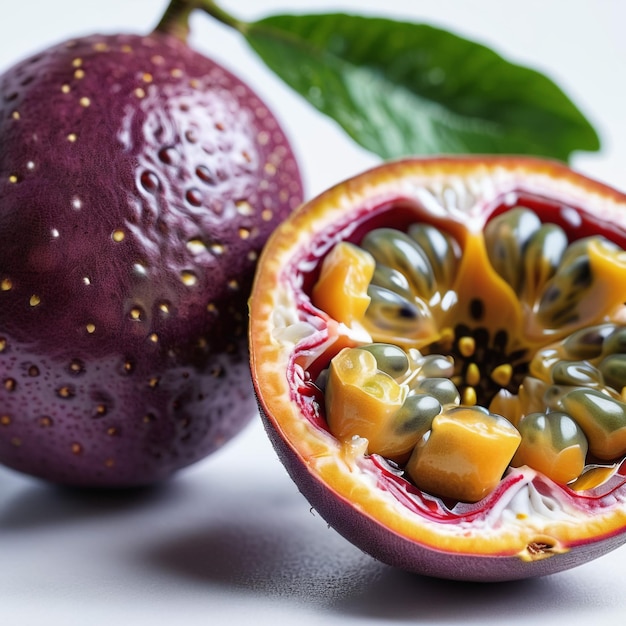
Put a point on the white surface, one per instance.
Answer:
(230, 540)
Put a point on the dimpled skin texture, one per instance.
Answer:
(138, 182)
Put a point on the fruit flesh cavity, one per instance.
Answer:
(507, 273)
(527, 517)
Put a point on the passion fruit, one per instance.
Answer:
(138, 181)
(438, 347)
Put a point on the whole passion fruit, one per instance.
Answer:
(439, 353)
(139, 180)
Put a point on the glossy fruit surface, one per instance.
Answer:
(456, 406)
(138, 182)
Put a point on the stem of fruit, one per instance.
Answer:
(175, 20)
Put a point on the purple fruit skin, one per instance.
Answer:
(384, 545)
(138, 182)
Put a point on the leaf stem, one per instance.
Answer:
(214, 10)
(175, 19)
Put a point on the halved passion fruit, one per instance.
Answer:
(439, 352)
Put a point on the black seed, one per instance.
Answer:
(550, 295)
(407, 313)
(500, 340)
(476, 309)
(582, 277)
(517, 355)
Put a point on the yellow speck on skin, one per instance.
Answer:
(244, 207)
(140, 92)
(64, 392)
(84, 102)
(72, 137)
(188, 278)
(79, 73)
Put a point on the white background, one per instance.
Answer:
(230, 540)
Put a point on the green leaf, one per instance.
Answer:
(404, 89)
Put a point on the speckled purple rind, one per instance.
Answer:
(379, 542)
(138, 182)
